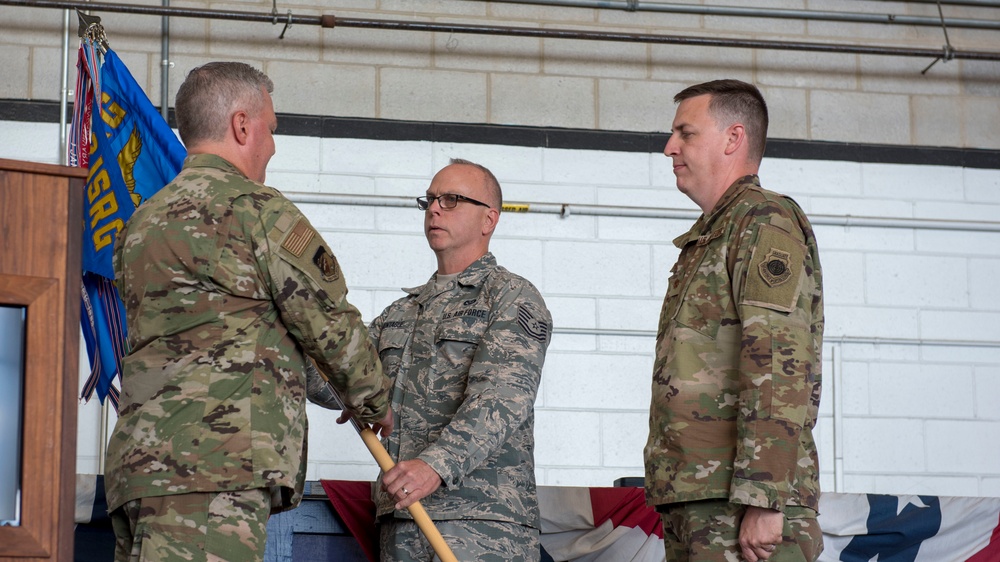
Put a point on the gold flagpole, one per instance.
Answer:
(385, 462)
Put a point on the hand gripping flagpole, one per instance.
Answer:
(385, 462)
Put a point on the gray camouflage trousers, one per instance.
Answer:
(195, 527)
(708, 531)
(400, 540)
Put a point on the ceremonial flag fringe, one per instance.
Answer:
(606, 524)
(865, 527)
(131, 153)
(616, 525)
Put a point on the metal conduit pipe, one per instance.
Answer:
(330, 21)
(64, 92)
(165, 63)
(780, 13)
(566, 210)
(972, 3)
(826, 340)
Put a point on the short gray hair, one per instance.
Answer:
(492, 185)
(210, 95)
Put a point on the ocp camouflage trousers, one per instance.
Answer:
(708, 531)
(195, 527)
(400, 540)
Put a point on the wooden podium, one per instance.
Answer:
(41, 214)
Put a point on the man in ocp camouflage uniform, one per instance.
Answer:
(228, 292)
(465, 352)
(731, 463)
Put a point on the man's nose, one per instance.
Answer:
(671, 147)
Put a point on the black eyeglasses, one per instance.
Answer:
(446, 200)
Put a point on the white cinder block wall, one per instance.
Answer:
(902, 412)
(897, 416)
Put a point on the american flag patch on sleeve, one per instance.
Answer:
(299, 238)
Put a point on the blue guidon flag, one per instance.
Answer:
(131, 153)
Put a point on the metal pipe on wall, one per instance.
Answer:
(331, 21)
(839, 340)
(972, 3)
(165, 62)
(64, 91)
(837, 360)
(779, 13)
(567, 209)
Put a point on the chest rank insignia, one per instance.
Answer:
(327, 264)
(774, 268)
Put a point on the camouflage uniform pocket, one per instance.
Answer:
(705, 305)
(456, 345)
(705, 292)
(791, 369)
(753, 406)
(390, 350)
(748, 447)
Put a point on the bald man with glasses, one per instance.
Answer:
(465, 353)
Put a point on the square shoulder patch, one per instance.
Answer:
(305, 249)
(776, 264)
(298, 238)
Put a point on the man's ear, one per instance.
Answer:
(490, 221)
(240, 124)
(736, 137)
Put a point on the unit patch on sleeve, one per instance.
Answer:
(774, 267)
(776, 264)
(327, 264)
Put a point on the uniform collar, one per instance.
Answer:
(207, 160)
(470, 276)
(706, 223)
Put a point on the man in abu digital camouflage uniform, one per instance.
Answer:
(228, 292)
(731, 463)
(465, 353)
